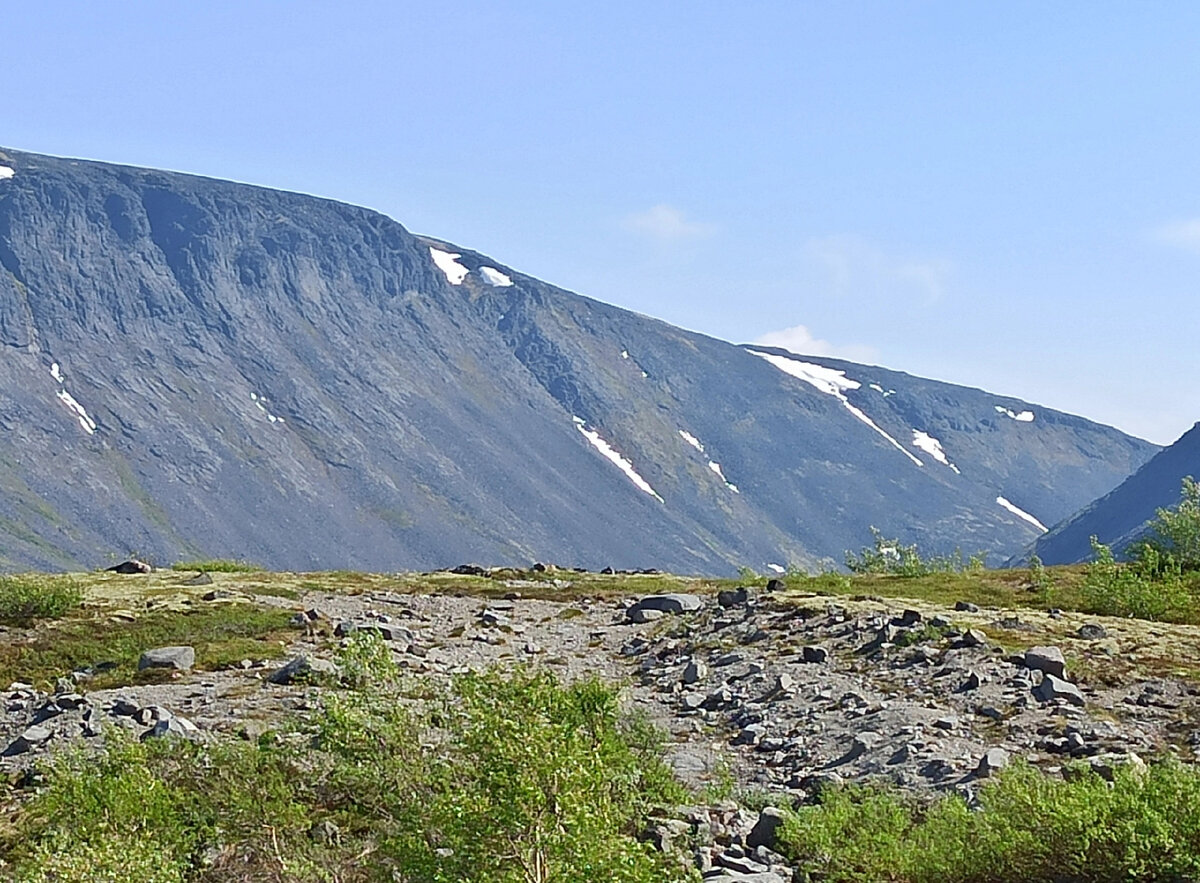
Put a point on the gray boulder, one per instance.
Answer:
(766, 829)
(1053, 688)
(302, 669)
(670, 603)
(1046, 659)
(177, 658)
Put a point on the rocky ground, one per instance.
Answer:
(770, 693)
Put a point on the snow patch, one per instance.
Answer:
(492, 276)
(6, 172)
(716, 467)
(88, 424)
(624, 354)
(1022, 514)
(448, 264)
(932, 447)
(831, 382)
(828, 380)
(692, 440)
(777, 568)
(56, 372)
(260, 402)
(614, 456)
(1023, 417)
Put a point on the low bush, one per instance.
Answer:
(24, 599)
(885, 556)
(509, 779)
(1144, 825)
(217, 565)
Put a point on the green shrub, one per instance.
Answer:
(1174, 534)
(885, 556)
(24, 599)
(1144, 825)
(217, 565)
(509, 778)
(1148, 587)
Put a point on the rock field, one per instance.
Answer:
(772, 692)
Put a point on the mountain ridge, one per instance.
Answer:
(304, 383)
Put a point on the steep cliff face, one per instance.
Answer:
(1120, 517)
(195, 367)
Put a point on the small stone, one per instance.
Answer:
(692, 701)
(814, 654)
(949, 722)
(1046, 659)
(642, 615)
(907, 619)
(173, 727)
(694, 672)
(1052, 688)
(674, 602)
(966, 607)
(993, 760)
(1091, 631)
(785, 683)
(973, 638)
(133, 565)
(123, 707)
(733, 597)
(301, 669)
(972, 682)
(176, 658)
(766, 829)
(28, 740)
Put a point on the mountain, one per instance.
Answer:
(1118, 518)
(193, 367)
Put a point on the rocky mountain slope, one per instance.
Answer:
(192, 367)
(1118, 518)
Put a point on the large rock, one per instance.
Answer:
(177, 658)
(670, 603)
(1046, 659)
(302, 669)
(133, 565)
(766, 830)
(1053, 688)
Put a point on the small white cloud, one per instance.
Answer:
(1180, 234)
(799, 340)
(666, 223)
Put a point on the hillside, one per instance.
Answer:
(1118, 518)
(193, 367)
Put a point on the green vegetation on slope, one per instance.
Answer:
(1143, 825)
(513, 779)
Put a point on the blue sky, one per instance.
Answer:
(1001, 195)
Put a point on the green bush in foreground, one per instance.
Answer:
(1144, 825)
(24, 599)
(217, 565)
(510, 779)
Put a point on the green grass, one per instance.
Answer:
(29, 597)
(217, 565)
(221, 634)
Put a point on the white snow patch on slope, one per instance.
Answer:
(494, 277)
(88, 424)
(778, 568)
(448, 264)
(613, 455)
(692, 440)
(716, 467)
(56, 372)
(1022, 514)
(831, 382)
(1023, 417)
(260, 402)
(932, 447)
(6, 172)
(828, 380)
(624, 354)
